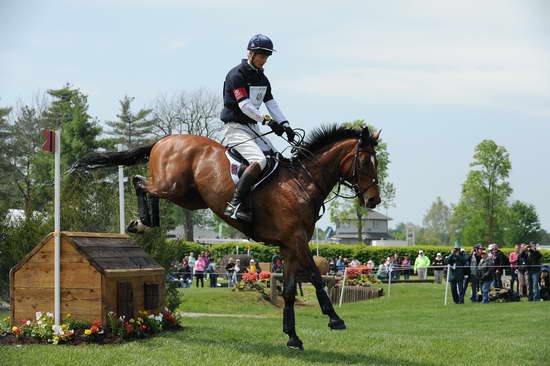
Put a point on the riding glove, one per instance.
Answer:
(278, 128)
(290, 134)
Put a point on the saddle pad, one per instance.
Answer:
(235, 166)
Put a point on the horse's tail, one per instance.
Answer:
(97, 160)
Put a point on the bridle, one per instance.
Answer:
(353, 181)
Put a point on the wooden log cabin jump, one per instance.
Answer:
(100, 273)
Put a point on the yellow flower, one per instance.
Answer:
(56, 339)
(64, 326)
(140, 319)
(88, 332)
(14, 329)
(132, 320)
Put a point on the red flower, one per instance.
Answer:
(97, 323)
(249, 277)
(129, 329)
(94, 329)
(265, 275)
(353, 273)
(143, 326)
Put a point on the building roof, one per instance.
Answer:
(366, 235)
(372, 215)
(114, 253)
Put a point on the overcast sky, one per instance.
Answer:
(437, 76)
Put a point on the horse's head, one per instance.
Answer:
(362, 171)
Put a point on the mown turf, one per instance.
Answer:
(410, 328)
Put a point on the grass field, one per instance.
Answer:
(410, 328)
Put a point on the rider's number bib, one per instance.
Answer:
(257, 94)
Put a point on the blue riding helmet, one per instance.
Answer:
(261, 44)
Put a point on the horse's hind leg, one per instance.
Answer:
(306, 259)
(148, 208)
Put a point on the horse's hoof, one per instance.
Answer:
(336, 324)
(295, 344)
(135, 227)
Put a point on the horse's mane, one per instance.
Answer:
(324, 136)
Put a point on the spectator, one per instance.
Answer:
(212, 274)
(277, 266)
(522, 263)
(457, 261)
(382, 273)
(533, 261)
(501, 262)
(340, 266)
(395, 266)
(186, 274)
(200, 266)
(229, 269)
(486, 274)
(191, 259)
(544, 284)
(406, 266)
(370, 267)
(421, 265)
(253, 268)
(473, 279)
(237, 272)
(513, 259)
(439, 265)
(354, 263)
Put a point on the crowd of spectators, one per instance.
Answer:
(480, 270)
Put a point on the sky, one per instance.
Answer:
(438, 77)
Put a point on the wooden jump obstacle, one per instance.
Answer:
(100, 273)
(351, 293)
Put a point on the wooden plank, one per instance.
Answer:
(68, 253)
(73, 275)
(84, 242)
(129, 273)
(94, 235)
(74, 301)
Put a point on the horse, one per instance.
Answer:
(193, 172)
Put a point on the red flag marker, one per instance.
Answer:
(49, 144)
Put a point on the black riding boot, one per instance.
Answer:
(236, 209)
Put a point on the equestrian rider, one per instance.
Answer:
(244, 90)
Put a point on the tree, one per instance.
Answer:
(131, 129)
(480, 214)
(5, 182)
(196, 113)
(436, 222)
(340, 210)
(523, 225)
(25, 142)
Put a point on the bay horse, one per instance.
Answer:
(193, 172)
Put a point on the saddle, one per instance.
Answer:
(238, 164)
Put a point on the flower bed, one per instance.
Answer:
(72, 331)
(255, 282)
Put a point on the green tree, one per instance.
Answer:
(131, 129)
(523, 224)
(481, 212)
(5, 181)
(436, 222)
(89, 200)
(341, 210)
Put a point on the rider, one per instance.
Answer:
(244, 90)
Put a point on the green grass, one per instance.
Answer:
(410, 328)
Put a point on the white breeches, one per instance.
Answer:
(252, 150)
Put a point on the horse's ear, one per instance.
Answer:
(376, 136)
(365, 135)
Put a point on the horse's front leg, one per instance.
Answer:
(335, 322)
(289, 295)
